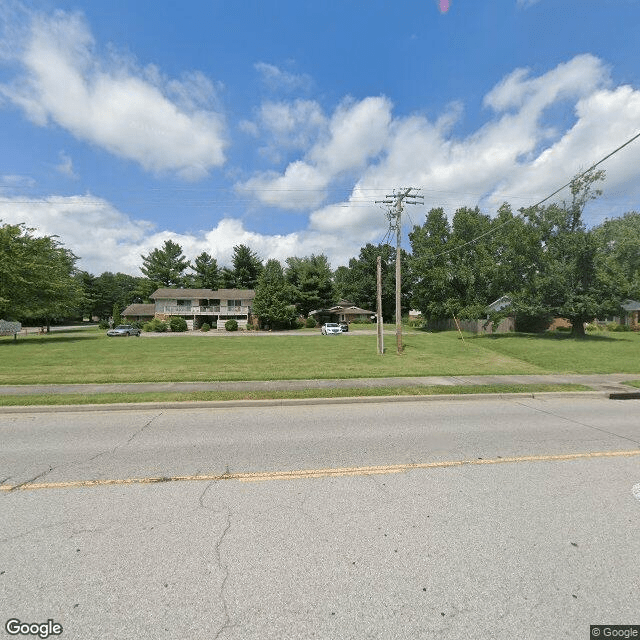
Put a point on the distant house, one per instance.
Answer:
(139, 312)
(630, 309)
(344, 311)
(198, 306)
(498, 305)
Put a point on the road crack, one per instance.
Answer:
(226, 619)
(578, 422)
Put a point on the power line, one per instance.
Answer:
(537, 204)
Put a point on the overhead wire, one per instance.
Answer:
(537, 204)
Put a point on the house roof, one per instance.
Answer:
(188, 294)
(631, 305)
(352, 310)
(140, 310)
(347, 310)
(499, 304)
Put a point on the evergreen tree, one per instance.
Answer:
(207, 273)
(357, 283)
(272, 303)
(247, 267)
(165, 267)
(312, 281)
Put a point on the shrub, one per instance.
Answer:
(205, 327)
(155, 325)
(310, 323)
(103, 324)
(614, 326)
(178, 324)
(231, 325)
(593, 328)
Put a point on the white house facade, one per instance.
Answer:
(198, 306)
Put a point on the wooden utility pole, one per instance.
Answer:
(380, 326)
(398, 199)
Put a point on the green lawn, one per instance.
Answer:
(89, 356)
(198, 396)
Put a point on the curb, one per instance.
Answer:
(295, 402)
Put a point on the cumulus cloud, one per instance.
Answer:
(356, 134)
(163, 124)
(515, 157)
(105, 239)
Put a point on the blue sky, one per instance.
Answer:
(278, 124)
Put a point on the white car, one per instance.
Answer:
(331, 328)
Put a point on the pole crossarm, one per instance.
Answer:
(400, 197)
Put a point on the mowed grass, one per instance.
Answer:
(88, 356)
(560, 353)
(226, 396)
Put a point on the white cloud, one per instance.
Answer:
(580, 76)
(277, 79)
(516, 156)
(355, 135)
(512, 157)
(163, 124)
(106, 239)
(66, 166)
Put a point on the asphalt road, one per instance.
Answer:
(493, 519)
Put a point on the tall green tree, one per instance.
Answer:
(567, 282)
(460, 268)
(272, 303)
(166, 266)
(247, 267)
(38, 277)
(357, 283)
(618, 254)
(207, 273)
(109, 289)
(311, 279)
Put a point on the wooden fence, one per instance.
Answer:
(473, 326)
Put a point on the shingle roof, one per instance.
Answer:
(631, 305)
(188, 294)
(140, 310)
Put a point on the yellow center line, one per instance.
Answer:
(259, 476)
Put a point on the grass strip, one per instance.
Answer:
(200, 396)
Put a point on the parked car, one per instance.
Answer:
(124, 330)
(331, 328)
(344, 326)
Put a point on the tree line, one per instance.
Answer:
(543, 258)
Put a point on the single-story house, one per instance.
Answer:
(139, 312)
(198, 306)
(344, 311)
(631, 308)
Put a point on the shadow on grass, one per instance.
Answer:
(44, 339)
(551, 335)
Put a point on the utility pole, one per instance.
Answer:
(379, 326)
(399, 198)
